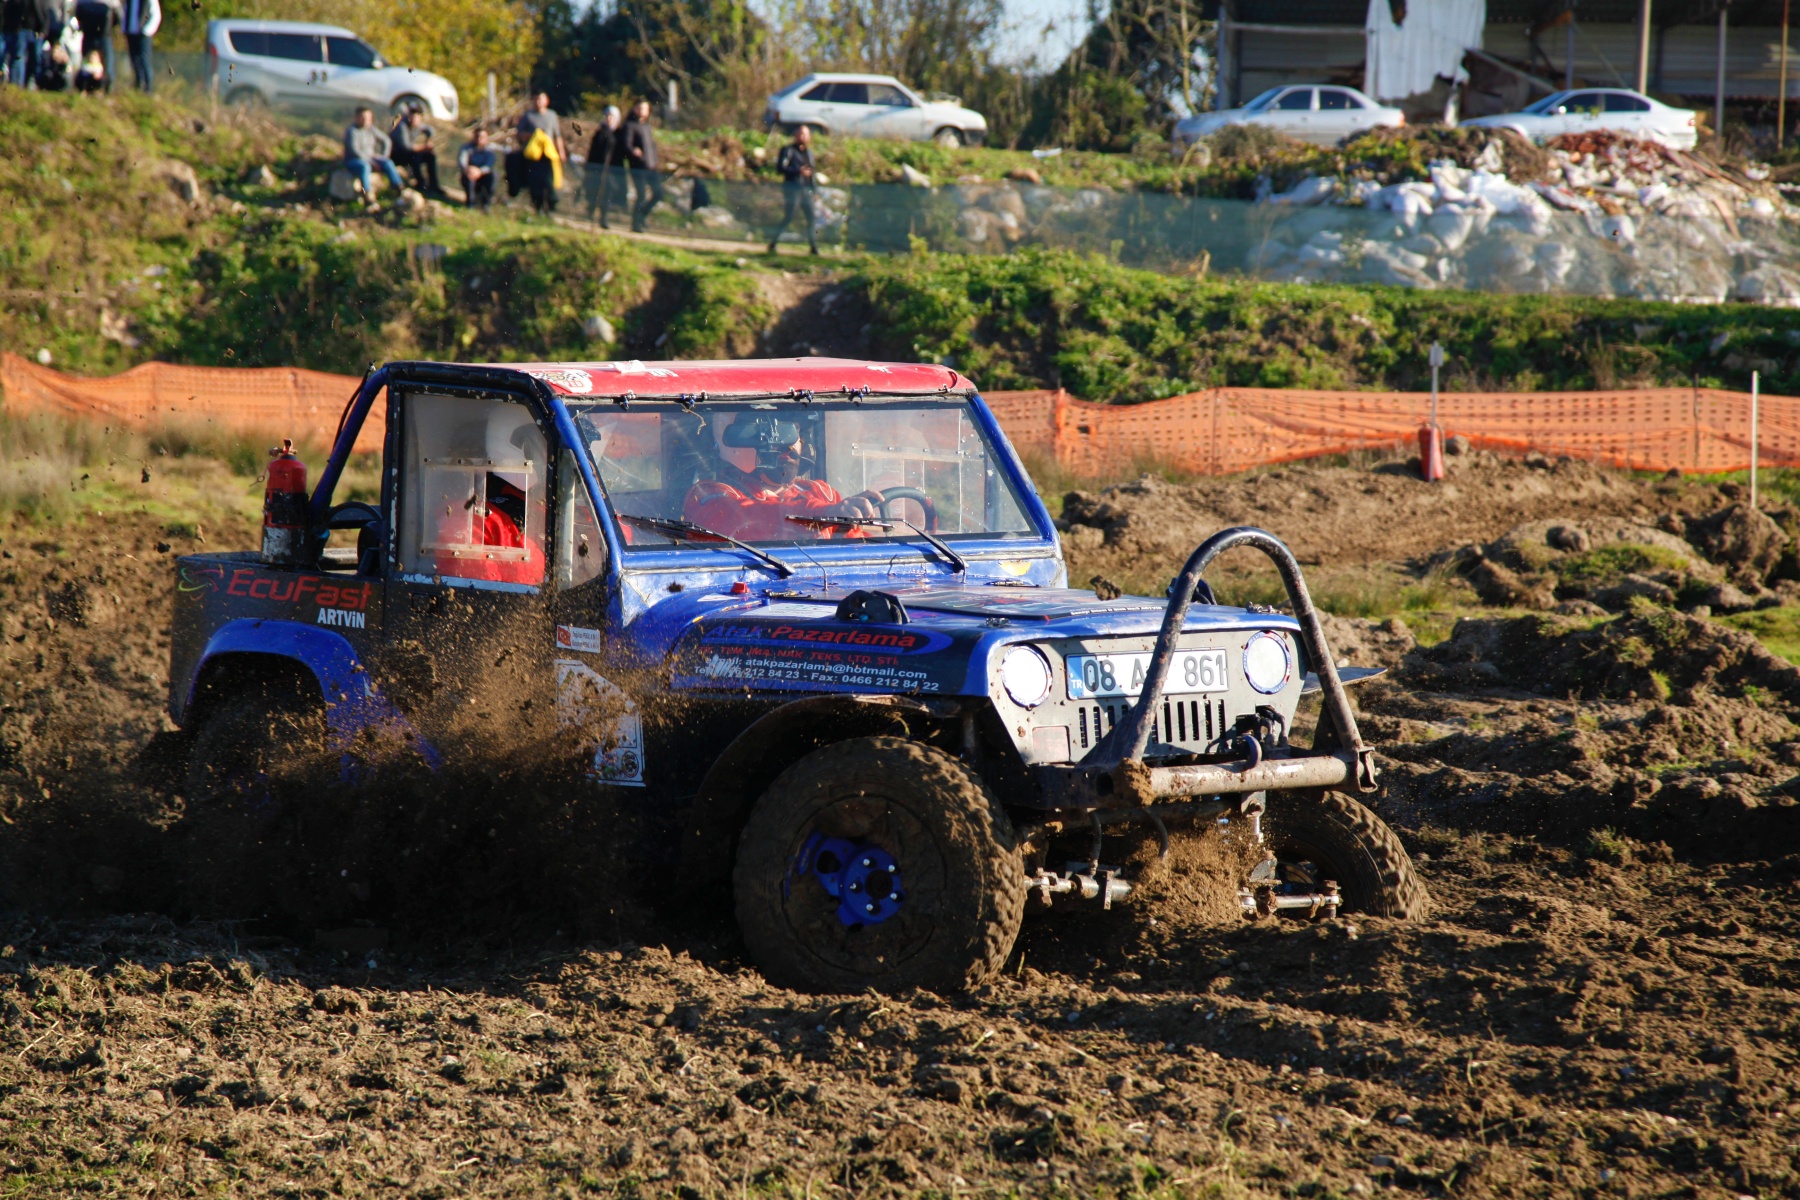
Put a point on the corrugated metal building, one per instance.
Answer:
(1267, 43)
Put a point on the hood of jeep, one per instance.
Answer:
(793, 641)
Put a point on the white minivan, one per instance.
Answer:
(873, 106)
(297, 64)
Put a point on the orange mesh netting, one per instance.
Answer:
(1232, 429)
(272, 401)
(1211, 432)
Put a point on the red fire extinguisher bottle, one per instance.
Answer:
(284, 507)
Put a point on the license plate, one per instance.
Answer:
(1098, 676)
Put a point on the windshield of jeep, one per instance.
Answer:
(743, 467)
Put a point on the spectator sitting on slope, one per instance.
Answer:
(366, 147)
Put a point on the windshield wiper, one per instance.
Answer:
(687, 531)
(956, 561)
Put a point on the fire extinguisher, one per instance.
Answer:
(284, 507)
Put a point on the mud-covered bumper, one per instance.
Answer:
(1135, 783)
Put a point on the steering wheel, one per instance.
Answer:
(365, 518)
(353, 515)
(889, 495)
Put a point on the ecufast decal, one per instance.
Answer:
(198, 579)
(787, 656)
(574, 637)
(603, 717)
(297, 589)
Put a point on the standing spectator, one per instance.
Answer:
(366, 147)
(142, 19)
(19, 40)
(640, 156)
(476, 162)
(798, 185)
(412, 139)
(541, 142)
(606, 166)
(98, 19)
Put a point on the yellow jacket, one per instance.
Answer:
(542, 145)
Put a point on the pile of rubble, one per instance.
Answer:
(1612, 216)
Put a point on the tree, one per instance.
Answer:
(1135, 70)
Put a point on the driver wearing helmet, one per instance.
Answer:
(760, 483)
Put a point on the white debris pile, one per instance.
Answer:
(1613, 216)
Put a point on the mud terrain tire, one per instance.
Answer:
(243, 742)
(963, 880)
(233, 859)
(1349, 844)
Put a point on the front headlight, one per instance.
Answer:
(1026, 676)
(1267, 663)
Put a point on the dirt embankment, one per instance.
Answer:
(1601, 801)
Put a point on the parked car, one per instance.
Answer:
(875, 106)
(1619, 110)
(1324, 115)
(297, 64)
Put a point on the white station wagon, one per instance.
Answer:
(1619, 110)
(873, 106)
(295, 64)
(1323, 115)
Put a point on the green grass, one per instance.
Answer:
(1039, 318)
(1776, 628)
(1238, 159)
(1610, 562)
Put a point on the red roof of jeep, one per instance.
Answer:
(741, 377)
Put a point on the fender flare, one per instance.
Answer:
(767, 747)
(353, 702)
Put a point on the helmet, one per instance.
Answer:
(762, 444)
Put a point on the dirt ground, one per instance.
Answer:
(1595, 773)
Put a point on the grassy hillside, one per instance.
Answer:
(1037, 319)
(105, 263)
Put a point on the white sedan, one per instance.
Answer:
(1618, 110)
(1325, 115)
(873, 106)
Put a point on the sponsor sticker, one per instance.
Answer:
(579, 383)
(637, 367)
(603, 717)
(574, 637)
(816, 612)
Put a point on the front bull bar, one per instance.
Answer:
(1115, 773)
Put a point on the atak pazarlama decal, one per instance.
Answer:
(579, 383)
(604, 718)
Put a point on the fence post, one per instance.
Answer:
(1755, 396)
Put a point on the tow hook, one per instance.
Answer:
(1081, 881)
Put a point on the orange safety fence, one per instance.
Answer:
(265, 401)
(1212, 432)
(1223, 430)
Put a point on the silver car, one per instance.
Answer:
(873, 106)
(299, 64)
(1582, 110)
(1324, 115)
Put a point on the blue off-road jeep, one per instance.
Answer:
(815, 612)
